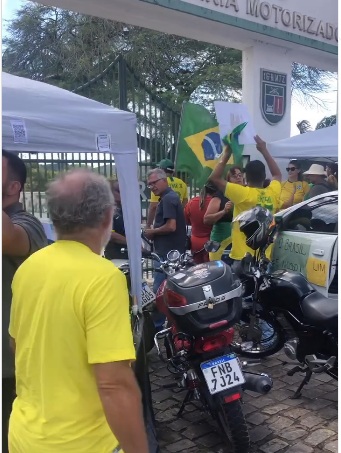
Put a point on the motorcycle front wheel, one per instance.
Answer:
(267, 338)
(231, 421)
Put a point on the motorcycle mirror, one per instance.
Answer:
(278, 219)
(212, 246)
(173, 256)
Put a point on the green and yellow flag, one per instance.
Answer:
(232, 140)
(199, 145)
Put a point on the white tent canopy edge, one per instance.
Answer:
(41, 118)
(322, 143)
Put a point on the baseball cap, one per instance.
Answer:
(166, 164)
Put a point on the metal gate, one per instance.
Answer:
(157, 130)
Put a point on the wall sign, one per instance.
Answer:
(311, 20)
(273, 95)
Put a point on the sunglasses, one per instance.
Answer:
(291, 169)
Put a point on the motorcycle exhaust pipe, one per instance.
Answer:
(257, 382)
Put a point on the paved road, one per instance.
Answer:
(277, 424)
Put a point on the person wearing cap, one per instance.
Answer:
(176, 184)
(317, 176)
(22, 235)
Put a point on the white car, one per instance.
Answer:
(307, 241)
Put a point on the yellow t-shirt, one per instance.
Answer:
(70, 310)
(245, 198)
(301, 190)
(175, 184)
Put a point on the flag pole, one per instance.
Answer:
(179, 135)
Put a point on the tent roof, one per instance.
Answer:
(316, 144)
(37, 117)
(57, 120)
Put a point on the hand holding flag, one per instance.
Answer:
(231, 140)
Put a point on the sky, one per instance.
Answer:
(298, 111)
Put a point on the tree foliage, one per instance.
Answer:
(326, 122)
(305, 126)
(68, 49)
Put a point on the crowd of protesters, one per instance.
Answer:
(72, 387)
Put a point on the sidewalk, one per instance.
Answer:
(277, 424)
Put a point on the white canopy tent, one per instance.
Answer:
(322, 143)
(41, 118)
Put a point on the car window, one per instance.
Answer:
(319, 216)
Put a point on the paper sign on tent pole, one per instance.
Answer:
(229, 115)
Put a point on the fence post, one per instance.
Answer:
(122, 84)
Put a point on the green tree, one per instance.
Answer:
(305, 126)
(38, 176)
(326, 122)
(68, 49)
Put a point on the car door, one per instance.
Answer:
(307, 242)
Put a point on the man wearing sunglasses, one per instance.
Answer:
(176, 184)
(169, 231)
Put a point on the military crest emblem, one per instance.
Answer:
(273, 95)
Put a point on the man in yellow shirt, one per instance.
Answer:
(254, 194)
(176, 184)
(70, 329)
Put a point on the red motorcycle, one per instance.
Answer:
(201, 304)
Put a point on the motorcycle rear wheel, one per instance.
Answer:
(231, 420)
(272, 336)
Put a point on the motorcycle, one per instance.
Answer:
(201, 304)
(282, 309)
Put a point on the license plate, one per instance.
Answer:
(147, 295)
(222, 373)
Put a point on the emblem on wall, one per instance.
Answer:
(273, 97)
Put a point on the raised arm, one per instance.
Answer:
(217, 174)
(273, 167)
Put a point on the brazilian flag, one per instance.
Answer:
(199, 144)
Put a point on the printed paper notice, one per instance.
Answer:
(19, 131)
(230, 115)
(103, 143)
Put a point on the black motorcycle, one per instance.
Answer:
(202, 303)
(282, 309)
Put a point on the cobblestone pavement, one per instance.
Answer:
(276, 423)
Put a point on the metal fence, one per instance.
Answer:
(157, 130)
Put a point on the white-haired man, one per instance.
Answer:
(169, 231)
(71, 333)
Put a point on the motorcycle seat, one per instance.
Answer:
(321, 312)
